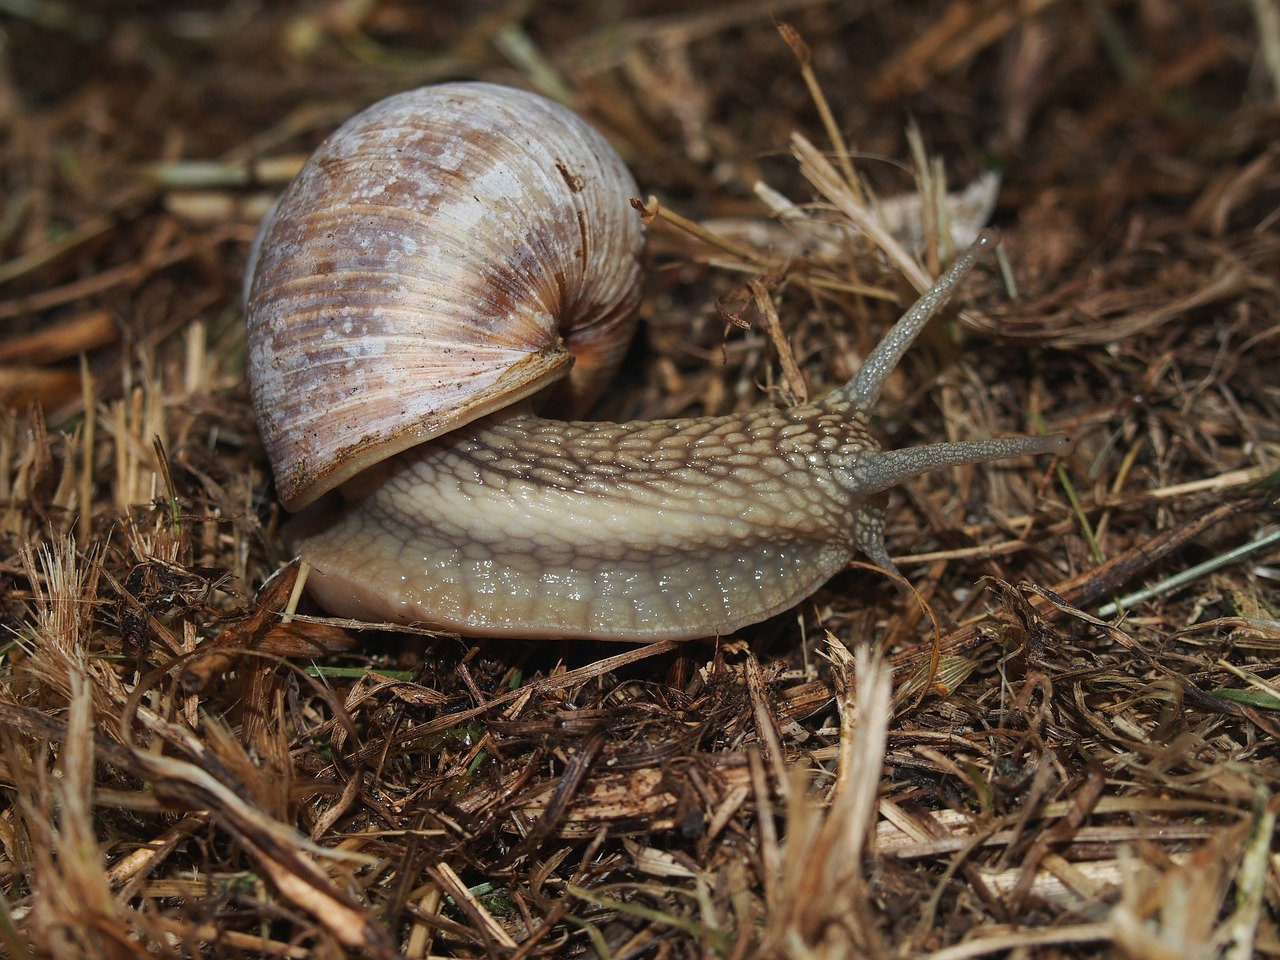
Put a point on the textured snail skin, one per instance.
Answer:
(666, 529)
(669, 529)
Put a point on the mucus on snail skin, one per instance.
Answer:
(503, 521)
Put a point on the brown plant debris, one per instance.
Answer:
(1050, 745)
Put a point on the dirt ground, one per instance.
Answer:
(1061, 742)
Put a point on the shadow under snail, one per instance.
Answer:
(443, 257)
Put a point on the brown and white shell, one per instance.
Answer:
(437, 259)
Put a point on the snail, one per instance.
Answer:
(457, 259)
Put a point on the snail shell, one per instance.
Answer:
(443, 254)
(426, 274)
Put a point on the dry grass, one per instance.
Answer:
(1026, 756)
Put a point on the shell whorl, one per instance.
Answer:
(428, 266)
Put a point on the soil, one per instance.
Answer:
(1061, 739)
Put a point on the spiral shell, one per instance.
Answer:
(437, 259)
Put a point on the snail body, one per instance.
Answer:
(500, 520)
